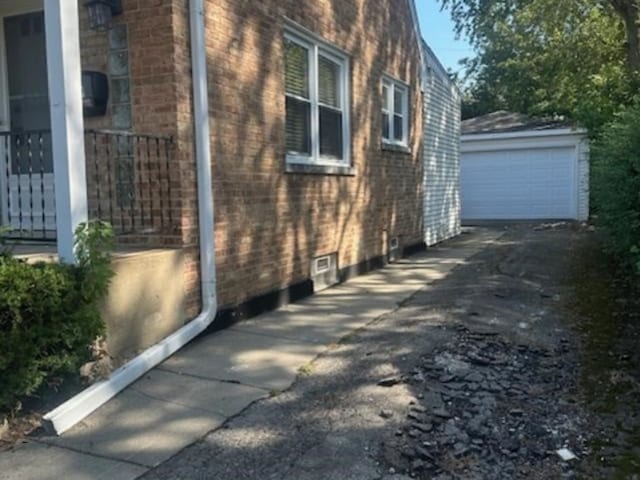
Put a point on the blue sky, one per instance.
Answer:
(438, 30)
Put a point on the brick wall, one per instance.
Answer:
(93, 50)
(270, 224)
(159, 79)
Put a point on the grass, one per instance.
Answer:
(606, 311)
(306, 370)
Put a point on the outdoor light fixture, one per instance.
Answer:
(101, 13)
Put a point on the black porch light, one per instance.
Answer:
(101, 13)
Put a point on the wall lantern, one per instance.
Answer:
(101, 13)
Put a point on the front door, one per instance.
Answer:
(26, 146)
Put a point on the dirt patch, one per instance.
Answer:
(27, 419)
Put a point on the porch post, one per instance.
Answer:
(67, 126)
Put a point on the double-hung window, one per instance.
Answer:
(395, 112)
(317, 104)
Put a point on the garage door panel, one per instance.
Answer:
(519, 184)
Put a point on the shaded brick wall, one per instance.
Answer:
(159, 77)
(270, 224)
(94, 50)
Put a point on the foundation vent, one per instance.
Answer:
(324, 271)
(394, 249)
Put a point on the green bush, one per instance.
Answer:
(615, 184)
(49, 313)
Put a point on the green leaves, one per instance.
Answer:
(93, 244)
(545, 58)
(615, 184)
(49, 313)
(4, 249)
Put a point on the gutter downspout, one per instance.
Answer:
(77, 408)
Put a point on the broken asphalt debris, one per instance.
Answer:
(483, 411)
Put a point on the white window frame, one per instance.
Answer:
(317, 47)
(392, 85)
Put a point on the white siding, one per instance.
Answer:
(441, 156)
(583, 180)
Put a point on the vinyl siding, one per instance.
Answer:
(441, 157)
(583, 180)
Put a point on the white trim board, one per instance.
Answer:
(523, 134)
(515, 145)
(477, 143)
(319, 48)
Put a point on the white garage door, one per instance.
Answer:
(519, 184)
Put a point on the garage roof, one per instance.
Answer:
(504, 122)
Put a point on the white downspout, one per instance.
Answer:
(203, 154)
(80, 406)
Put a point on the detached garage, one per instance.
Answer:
(517, 168)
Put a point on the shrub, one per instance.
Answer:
(49, 313)
(616, 184)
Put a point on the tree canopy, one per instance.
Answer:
(546, 57)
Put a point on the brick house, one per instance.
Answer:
(248, 152)
(278, 72)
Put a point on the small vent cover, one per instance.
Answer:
(394, 249)
(322, 264)
(324, 271)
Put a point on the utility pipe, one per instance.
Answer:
(77, 408)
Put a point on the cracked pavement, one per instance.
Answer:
(337, 423)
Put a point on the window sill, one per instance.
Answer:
(392, 147)
(305, 168)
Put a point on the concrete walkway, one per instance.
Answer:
(218, 376)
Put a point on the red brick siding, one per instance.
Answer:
(269, 224)
(160, 83)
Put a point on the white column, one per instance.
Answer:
(67, 126)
